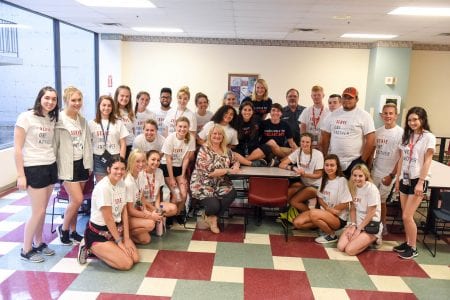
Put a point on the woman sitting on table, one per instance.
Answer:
(107, 234)
(209, 182)
(307, 164)
(365, 207)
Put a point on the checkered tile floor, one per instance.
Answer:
(195, 264)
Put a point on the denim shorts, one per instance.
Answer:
(99, 167)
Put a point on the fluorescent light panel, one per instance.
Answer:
(157, 29)
(6, 25)
(421, 11)
(368, 36)
(118, 3)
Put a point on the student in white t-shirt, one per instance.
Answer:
(74, 159)
(312, 117)
(174, 114)
(334, 199)
(107, 134)
(202, 114)
(36, 168)
(165, 99)
(141, 219)
(107, 234)
(226, 117)
(307, 163)
(417, 149)
(141, 112)
(387, 140)
(177, 149)
(150, 139)
(125, 113)
(365, 207)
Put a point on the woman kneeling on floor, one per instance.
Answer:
(209, 182)
(365, 210)
(107, 234)
(334, 198)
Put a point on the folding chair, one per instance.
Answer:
(267, 192)
(441, 215)
(63, 196)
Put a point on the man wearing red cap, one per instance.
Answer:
(349, 133)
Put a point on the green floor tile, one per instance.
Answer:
(99, 277)
(337, 274)
(243, 255)
(425, 257)
(198, 290)
(171, 240)
(426, 288)
(268, 226)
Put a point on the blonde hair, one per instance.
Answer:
(317, 88)
(266, 87)
(184, 90)
(363, 168)
(223, 144)
(69, 91)
(393, 105)
(132, 159)
(188, 135)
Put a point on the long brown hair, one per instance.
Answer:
(98, 115)
(339, 172)
(129, 106)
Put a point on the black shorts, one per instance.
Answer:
(409, 189)
(348, 172)
(342, 223)
(176, 171)
(99, 167)
(91, 237)
(266, 149)
(41, 176)
(80, 174)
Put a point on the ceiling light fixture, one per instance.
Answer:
(421, 11)
(118, 3)
(13, 25)
(368, 36)
(158, 29)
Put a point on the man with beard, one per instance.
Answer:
(165, 98)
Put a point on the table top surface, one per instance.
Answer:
(440, 175)
(264, 172)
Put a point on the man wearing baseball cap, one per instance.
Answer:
(349, 132)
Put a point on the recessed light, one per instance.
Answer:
(421, 11)
(157, 29)
(368, 36)
(118, 3)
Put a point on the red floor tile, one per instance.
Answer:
(276, 284)
(389, 264)
(368, 295)
(182, 265)
(17, 234)
(296, 247)
(110, 296)
(35, 285)
(233, 233)
(4, 216)
(23, 201)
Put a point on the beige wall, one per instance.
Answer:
(429, 87)
(150, 66)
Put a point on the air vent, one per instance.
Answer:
(111, 24)
(444, 34)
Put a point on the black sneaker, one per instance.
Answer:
(75, 237)
(31, 256)
(259, 163)
(64, 236)
(409, 253)
(44, 249)
(82, 253)
(401, 248)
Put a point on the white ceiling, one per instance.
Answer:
(257, 19)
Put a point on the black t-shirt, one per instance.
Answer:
(261, 107)
(291, 117)
(248, 136)
(278, 132)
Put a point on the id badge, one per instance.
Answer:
(406, 180)
(315, 139)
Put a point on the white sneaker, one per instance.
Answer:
(326, 239)
(385, 230)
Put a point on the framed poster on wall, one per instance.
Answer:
(241, 84)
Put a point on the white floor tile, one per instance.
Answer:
(227, 274)
(157, 287)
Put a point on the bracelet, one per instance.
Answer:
(352, 224)
(118, 240)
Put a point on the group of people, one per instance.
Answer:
(133, 152)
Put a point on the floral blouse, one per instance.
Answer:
(203, 186)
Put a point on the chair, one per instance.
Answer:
(267, 192)
(440, 215)
(63, 196)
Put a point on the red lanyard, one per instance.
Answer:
(151, 187)
(412, 144)
(316, 120)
